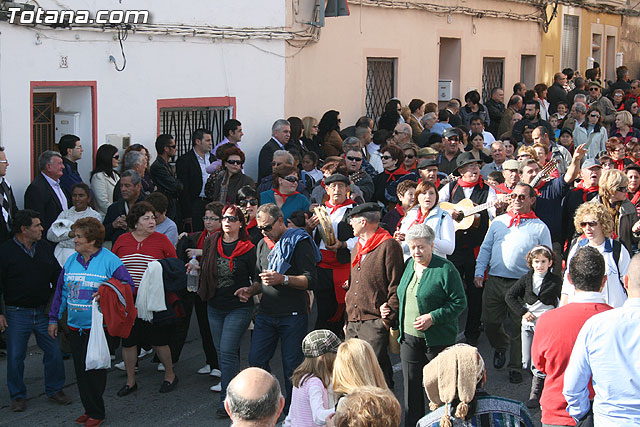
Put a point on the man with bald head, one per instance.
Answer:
(254, 399)
(607, 351)
(402, 134)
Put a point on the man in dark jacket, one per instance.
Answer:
(280, 134)
(496, 109)
(579, 89)
(115, 221)
(8, 202)
(556, 93)
(163, 175)
(71, 150)
(531, 120)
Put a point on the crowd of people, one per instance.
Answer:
(351, 243)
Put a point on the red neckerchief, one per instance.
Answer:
(284, 196)
(516, 217)
(419, 219)
(635, 197)
(374, 241)
(270, 243)
(202, 238)
(503, 189)
(413, 166)
(437, 183)
(241, 248)
(399, 209)
(339, 205)
(465, 184)
(394, 175)
(252, 223)
(619, 164)
(586, 191)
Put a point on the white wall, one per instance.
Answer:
(161, 68)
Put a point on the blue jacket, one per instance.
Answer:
(283, 250)
(70, 177)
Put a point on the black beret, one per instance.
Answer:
(336, 177)
(427, 163)
(365, 207)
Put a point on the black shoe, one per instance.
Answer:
(166, 386)
(499, 359)
(126, 390)
(221, 413)
(515, 377)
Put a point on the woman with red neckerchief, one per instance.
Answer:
(228, 264)
(392, 161)
(425, 210)
(633, 189)
(284, 194)
(248, 201)
(617, 151)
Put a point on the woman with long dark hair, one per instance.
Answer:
(248, 201)
(390, 116)
(329, 133)
(104, 177)
(227, 183)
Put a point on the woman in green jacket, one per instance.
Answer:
(431, 298)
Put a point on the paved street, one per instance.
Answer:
(190, 404)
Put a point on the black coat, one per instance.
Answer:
(266, 157)
(496, 111)
(41, 198)
(190, 175)
(521, 292)
(5, 234)
(555, 95)
(113, 212)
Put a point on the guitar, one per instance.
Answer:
(544, 172)
(471, 217)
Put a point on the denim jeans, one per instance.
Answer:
(291, 330)
(527, 339)
(227, 329)
(21, 322)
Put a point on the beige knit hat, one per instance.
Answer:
(454, 372)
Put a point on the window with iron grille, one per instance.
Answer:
(570, 35)
(183, 121)
(492, 76)
(380, 85)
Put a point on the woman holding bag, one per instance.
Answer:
(79, 280)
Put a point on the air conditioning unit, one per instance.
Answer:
(119, 140)
(445, 90)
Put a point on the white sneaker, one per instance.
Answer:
(144, 353)
(205, 369)
(216, 388)
(215, 373)
(120, 366)
(161, 367)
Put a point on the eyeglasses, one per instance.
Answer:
(409, 156)
(595, 116)
(385, 157)
(230, 218)
(210, 218)
(276, 164)
(453, 138)
(622, 189)
(117, 157)
(291, 179)
(235, 162)
(252, 202)
(4, 161)
(267, 228)
(589, 223)
(172, 146)
(594, 89)
(354, 159)
(520, 197)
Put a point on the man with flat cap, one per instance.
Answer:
(470, 186)
(333, 270)
(428, 171)
(371, 301)
(511, 173)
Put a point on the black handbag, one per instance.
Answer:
(587, 420)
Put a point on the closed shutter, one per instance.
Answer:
(570, 42)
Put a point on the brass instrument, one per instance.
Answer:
(324, 226)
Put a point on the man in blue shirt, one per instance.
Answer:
(606, 355)
(503, 252)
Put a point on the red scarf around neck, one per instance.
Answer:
(516, 217)
(465, 184)
(270, 243)
(284, 196)
(394, 175)
(419, 219)
(202, 238)
(373, 242)
(619, 164)
(252, 223)
(586, 190)
(241, 248)
(635, 198)
(339, 205)
(399, 209)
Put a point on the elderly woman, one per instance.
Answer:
(431, 298)
(596, 224)
(137, 249)
(79, 280)
(228, 264)
(284, 194)
(616, 150)
(613, 195)
(633, 189)
(226, 184)
(624, 129)
(525, 153)
(425, 210)
(104, 177)
(392, 161)
(60, 231)
(410, 156)
(592, 133)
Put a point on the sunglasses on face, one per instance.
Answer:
(622, 189)
(231, 218)
(595, 116)
(235, 162)
(172, 146)
(385, 157)
(453, 138)
(267, 228)
(594, 89)
(210, 218)
(117, 157)
(247, 202)
(354, 159)
(589, 223)
(409, 156)
(291, 179)
(520, 197)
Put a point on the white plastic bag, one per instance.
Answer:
(98, 356)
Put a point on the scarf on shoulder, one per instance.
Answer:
(397, 173)
(334, 208)
(465, 184)
(373, 242)
(586, 190)
(284, 196)
(242, 247)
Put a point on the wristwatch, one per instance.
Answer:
(286, 280)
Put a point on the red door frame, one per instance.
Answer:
(94, 110)
(216, 101)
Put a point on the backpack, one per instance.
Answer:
(617, 249)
